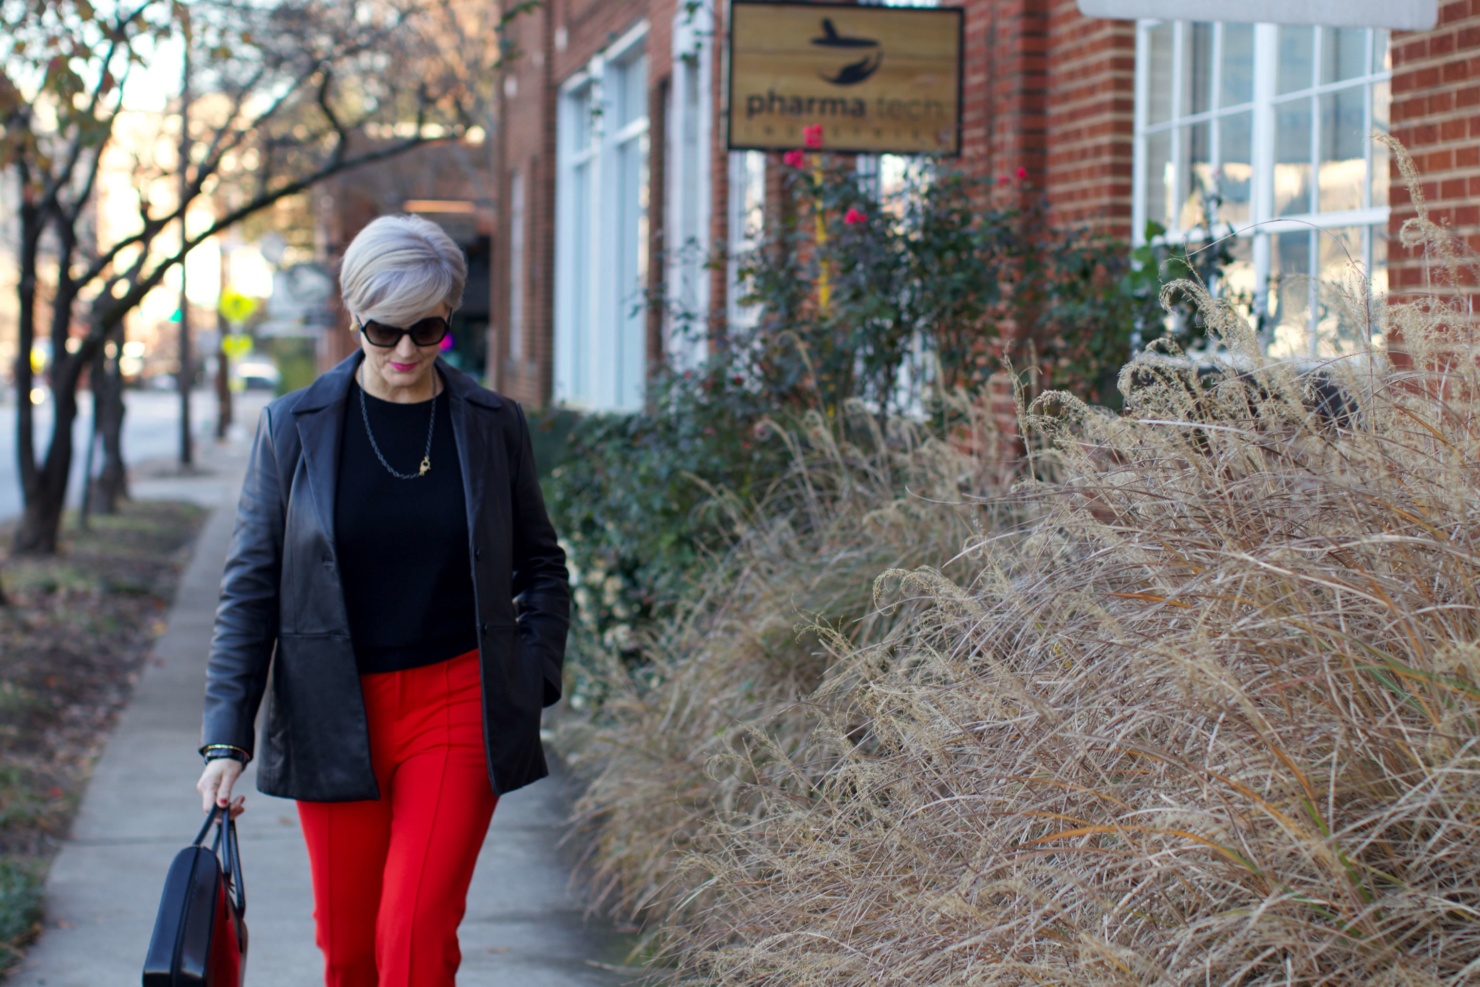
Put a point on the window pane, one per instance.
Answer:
(1159, 178)
(1343, 53)
(1198, 71)
(1159, 62)
(1379, 236)
(580, 111)
(1292, 157)
(1297, 58)
(1289, 294)
(632, 98)
(1237, 281)
(580, 274)
(1341, 312)
(1381, 160)
(1377, 277)
(630, 255)
(1343, 177)
(1237, 86)
(1197, 175)
(1235, 147)
(1382, 57)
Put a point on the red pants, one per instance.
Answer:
(390, 877)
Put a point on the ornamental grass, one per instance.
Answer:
(1198, 704)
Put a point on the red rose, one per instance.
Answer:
(854, 215)
(813, 136)
(794, 158)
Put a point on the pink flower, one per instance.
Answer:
(1003, 179)
(854, 215)
(1022, 173)
(794, 158)
(813, 136)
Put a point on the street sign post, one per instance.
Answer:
(1399, 15)
(876, 79)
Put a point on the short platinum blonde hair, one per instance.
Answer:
(399, 268)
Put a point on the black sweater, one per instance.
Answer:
(403, 544)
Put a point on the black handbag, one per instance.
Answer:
(200, 936)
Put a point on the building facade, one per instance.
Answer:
(615, 182)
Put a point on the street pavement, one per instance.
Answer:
(524, 924)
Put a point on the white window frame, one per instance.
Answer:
(688, 214)
(595, 368)
(1263, 224)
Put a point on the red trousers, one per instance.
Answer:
(391, 876)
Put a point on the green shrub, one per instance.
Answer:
(20, 908)
(634, 501)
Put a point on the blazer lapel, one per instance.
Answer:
(477, 453)
(319, 431)
(469, 432)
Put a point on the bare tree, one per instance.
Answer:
(289, 93)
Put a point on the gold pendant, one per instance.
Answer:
(426, 465)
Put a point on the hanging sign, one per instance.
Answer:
(1400, 15)
(875, 79)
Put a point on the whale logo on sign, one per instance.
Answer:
(854, 72)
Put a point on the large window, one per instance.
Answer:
(1266, 129)
(747, 217)
(602, 231)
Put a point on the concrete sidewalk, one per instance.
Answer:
(524, 925)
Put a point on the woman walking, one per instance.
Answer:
(394, 568)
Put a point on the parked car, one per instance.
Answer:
(257, 374)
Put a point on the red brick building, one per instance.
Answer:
(613, 178)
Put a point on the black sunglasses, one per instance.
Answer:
(428, 332)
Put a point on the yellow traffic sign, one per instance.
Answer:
(236, 345)
(237, 307)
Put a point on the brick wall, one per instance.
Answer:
(1436, 115)
(1052, 92)
(1012, 87)
(525, 145)
(1091, 118)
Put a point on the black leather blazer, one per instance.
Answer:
(282, 605)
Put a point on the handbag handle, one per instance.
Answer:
(229, 849)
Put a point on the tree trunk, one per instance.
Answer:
(45, 490)
(41, 523)
(111, 487)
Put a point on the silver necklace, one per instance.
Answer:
(426, 459)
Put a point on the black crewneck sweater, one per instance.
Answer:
(403, 544)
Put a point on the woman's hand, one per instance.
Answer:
(216, 782)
